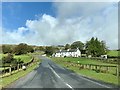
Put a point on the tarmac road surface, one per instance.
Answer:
(51, 75)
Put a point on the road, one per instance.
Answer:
(51, 75)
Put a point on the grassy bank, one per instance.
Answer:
(106, 77)
(25, 58)
(8, 80)
(113, 53)
(82, 61)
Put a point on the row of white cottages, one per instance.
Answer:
(68, 53)
(72, 53)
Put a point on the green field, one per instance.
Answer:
(25, 58)
(113, 53)
(83, 61)
(106, 77)
(2, 55)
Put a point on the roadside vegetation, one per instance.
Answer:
(106, 77)
(113, 53)
(12, 55)
(25, 58)
(95, 48)
(23, 53)
(10, 79)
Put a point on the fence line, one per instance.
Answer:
(98, 68)
(14, 68)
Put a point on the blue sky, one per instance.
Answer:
(55, 23)
(15, 14)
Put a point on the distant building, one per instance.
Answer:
(68, 53)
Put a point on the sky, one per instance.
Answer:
(59, 23)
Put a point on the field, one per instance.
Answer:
(113, 53)
(25, 58)
(106, 77)
(83, 61)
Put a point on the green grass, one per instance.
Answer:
(2, 55)
(106, 77)
(25, 58)
(82, 61)
(113, 53)
(109, 78)
(8, 80)
(3, 68)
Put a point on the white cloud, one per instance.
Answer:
(74, 21)
(73, 9)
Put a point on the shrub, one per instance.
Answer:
(9, 59)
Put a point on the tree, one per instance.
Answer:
(30, 49)
(22, 48)
(41, 48)
(67, 46)
(50, 50)
(19, 61)
(9, 59)
(77, 44)
(6, 49)
(95, 47)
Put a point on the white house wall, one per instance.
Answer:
(68, 54)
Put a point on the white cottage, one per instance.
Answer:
(68, 53)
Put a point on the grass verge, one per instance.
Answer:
(106, 77)
(113, 53)
(8, 80)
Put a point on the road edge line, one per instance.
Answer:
(61, 79)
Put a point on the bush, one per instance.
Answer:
(9, 59)
(113, 56)
(23, 48)
(6, 49)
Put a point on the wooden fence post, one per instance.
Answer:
(18, 67)
(100, 68)
(107, 69)
(95, 67)
(117, 71)
(90, 66)
(10, 71)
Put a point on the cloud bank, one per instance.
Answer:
(73, 21)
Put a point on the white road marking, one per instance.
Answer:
(61, 79)
(69, 86)
(80, 77)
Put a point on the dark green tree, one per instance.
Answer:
(22, 48)
(9, 59)
(50, 50)
(19, 61)
(67, 46)
(41, 48)
(6, 49)
(30, 49)
(77, 44)
(95, 47)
